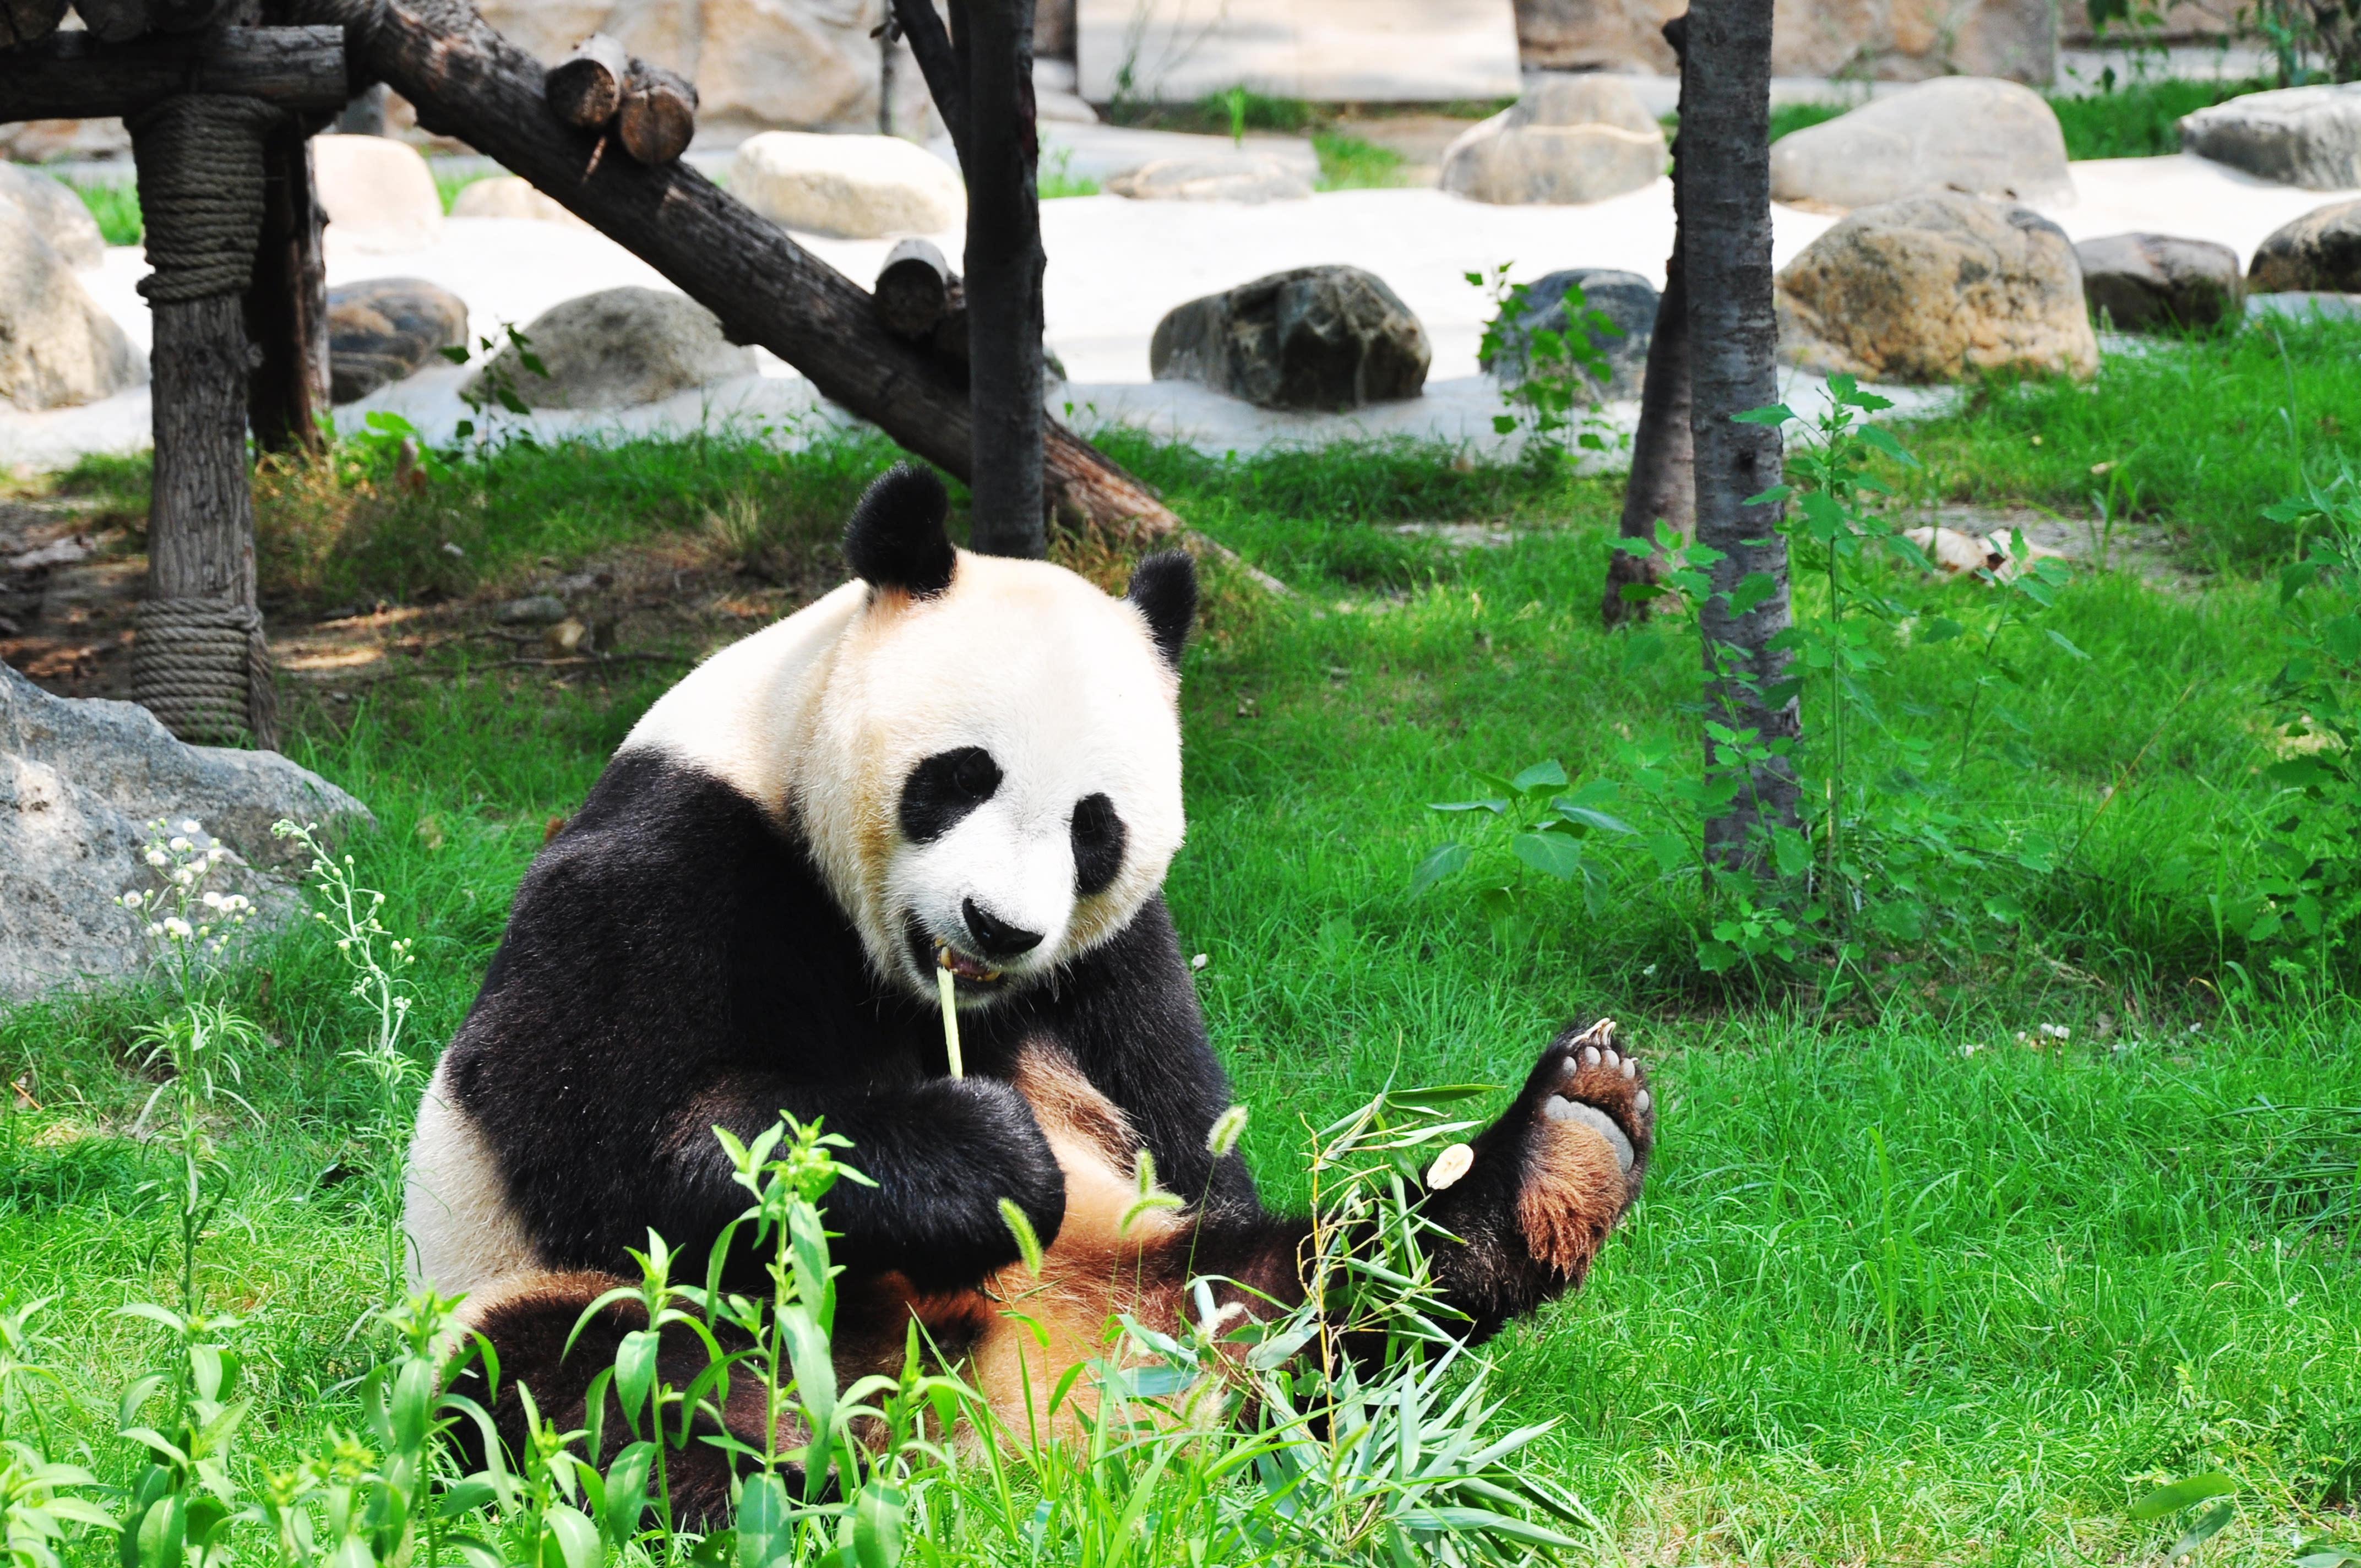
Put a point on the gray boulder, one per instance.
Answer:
(616, 350)
(2318, 253)
(1973, 134)
(2298, 136)
(1935, 287)
(56, 213)
(1229, 177)
(2144, 281)
(1317, 338)
(384, 329)
(1626, 299)
(1569, 139)
(80, 781)
(57, 347)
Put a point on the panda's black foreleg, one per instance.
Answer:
(938, 1156)
(1549, 1180)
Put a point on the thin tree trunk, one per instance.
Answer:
(1726, 190)
(287, 304)
(1003, 278)
(1663, 485)
(201, 523)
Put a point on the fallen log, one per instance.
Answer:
(585, 88)
(113, 21)
(658, 118)
(66, 76)
(467, 81)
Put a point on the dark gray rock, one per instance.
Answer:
(80, 781)
(1316, 337)
(2298, 136)
(533, 609)
(2143, 283)
(1625, 298)
(2319, 253)
(383, 329)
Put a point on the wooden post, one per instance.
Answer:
(1003, 278)
(199, 661)
(287, 304)
(585, 88)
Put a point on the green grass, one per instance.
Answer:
(2200, 434)
(1906, 1288)
(448, 185)
(1349, 163)
(115, 205)
(2137, 119)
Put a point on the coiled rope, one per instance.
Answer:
(202, 666)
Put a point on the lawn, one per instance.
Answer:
(1946, 1265)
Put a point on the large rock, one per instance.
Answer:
(615, 349)
(2299, 136)
(1971, 134)
(851, 187)
(383, 329)
(1225, 176)
(57, 347)
(1626, 299)
(1317, 338)
(2318, 253)
(55, 213)
(1569, 138)
(508, 196)
(1935, 286)
(2143, 283)
(80, 781)
(378, 193)
(1887, 40)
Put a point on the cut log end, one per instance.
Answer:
(658, 116)
(26, 22)
(915, 289)
(585, 88)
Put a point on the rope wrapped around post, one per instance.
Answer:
(199, 661)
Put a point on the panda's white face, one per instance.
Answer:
(991, 781)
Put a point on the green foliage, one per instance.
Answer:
(1058, 181)
(2205, 431)
(2180, 1498)
(1788, 118)
(1351, 163)
(1238, 111)
(1551, 377)
(447, 184)
(115, 205)
(2139, 118)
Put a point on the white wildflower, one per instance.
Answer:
(188, 824)
(180, 846)
(154, 857)
(133, 899)
(176, 928)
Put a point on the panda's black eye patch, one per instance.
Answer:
(1099, 837)
(945, 788)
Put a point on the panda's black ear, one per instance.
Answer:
(896, 539)
(1165, 589)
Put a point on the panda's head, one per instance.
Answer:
(991, 782)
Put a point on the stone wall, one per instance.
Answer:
(1893, 41)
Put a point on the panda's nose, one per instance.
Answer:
(996, 937)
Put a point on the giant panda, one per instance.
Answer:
(952, 760)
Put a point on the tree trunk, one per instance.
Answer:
(1726, 192)
(67, 76)
(1003, 278)
(287, 303)
(469, 82)
(1662, 485)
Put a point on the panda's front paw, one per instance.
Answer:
(983, 1145)
(1586, 1078)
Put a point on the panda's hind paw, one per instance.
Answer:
(1584, 1078)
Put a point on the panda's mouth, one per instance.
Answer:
(930, 953)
